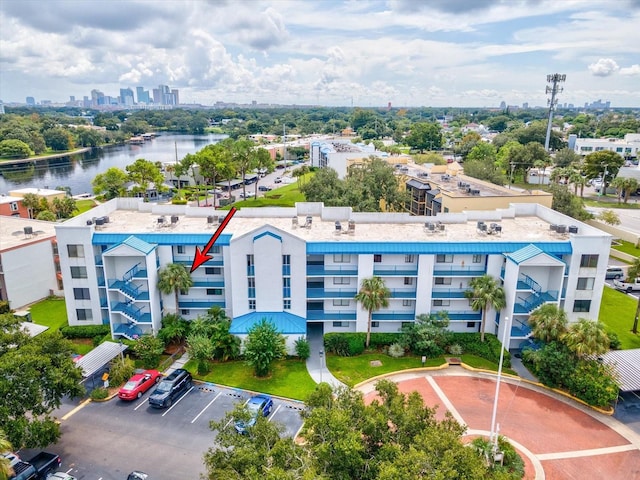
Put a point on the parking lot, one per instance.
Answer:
(107, 440)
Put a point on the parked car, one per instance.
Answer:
(170, 388)
(139, 383)
(258, 405)
(264, 188)
(278, 180)
(614, 273)
(61, 476)
(137, 476)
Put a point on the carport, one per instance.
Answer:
(626, 364)
(97, 359)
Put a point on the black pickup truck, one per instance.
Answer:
(37, 468)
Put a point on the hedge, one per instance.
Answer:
(86, 331)
(489, 349)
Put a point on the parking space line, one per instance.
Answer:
(208, 405)
(141, 403)
(274, 413)
(180, 399)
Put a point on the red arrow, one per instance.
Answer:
(201, 256)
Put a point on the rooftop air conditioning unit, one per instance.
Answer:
(174, 218)
(338, 227)
(89, 222)
(211, 219)
(294, 222)
(553, 227)
(573, 229)
(161, 220)
(28, 230)
(562, 229)
(99, 222)
(352, 227)
(106, 219)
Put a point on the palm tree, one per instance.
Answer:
(244, 160)
(619, 184)
(373, 295)
(548, 322)
(485, 293)
(586, 337)
(174, 278)
(630, 186)
(5, 465)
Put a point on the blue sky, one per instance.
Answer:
(473, 53)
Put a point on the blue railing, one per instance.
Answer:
(213, 262)
(448, 293)
(331, 315)
(452, 271)
(387, 270)
(402, 293)
(208, 284)
(98, 259)
(323, 270)
(337, 293)
(394, 315)
(129, 274)
(136, 314)
(203, 304)
(286, 292)
(469, 316)
(252, 292)
(251, 271)
(132, 332)
(520, 329)
(535, 286)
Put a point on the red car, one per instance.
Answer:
(141, 381)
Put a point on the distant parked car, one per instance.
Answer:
(264, 188)
(614, 273)
(278, 180)
(139, 383)
(61, 476)
(258, 405)
(137, 476)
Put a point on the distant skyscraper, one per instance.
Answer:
(126, 97)
(31, 101)
(525, 105)
(97, 98)
(503, 105)
(176, 97)
(143, 96)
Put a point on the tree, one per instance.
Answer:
(15, 149)
(618, 183)
(64, 208)
(5, 446)
(244, 159)
(605, 164)
(58, 139)
(566, 157)
(485, 293)
(36, 374)
(427, 335)
(548, 322)
(46, 216)
(174, 278)
(149, 348)
(609, 217)
(424, 136)
(110, 184)
(565, 202)
(174, 329)
(263, 345)
(625, 187)
(587, 337)
(373, 295)
(201, 350)
(144, 173)
(32, 202)
(264, 163)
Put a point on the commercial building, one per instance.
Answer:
(304, 265)
(29, 268)
(626, 147)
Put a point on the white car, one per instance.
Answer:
(278, 180)
(60, 476)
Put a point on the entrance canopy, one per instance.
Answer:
(97, 358)
(626, 364)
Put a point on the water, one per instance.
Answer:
(77, 171)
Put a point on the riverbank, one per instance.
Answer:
(45, 157)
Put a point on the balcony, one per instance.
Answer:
(403, 293)
(331, 315)
(457, 271)
(200, 304)
(410, 270)
(131, 332)
(209, 284)
(132, 313)
(403, 315)
(533, 301)
(215, 261)
(448, 293)
(286, 270)
(324, 293)
(468, 316)
(332, 271)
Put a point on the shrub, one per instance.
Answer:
(614, 341)
(380, 340)
(4, 307)
(396, 350)
(178, 201)
(455, 349)
(303, 350)
(489, 349)
(85, 331)
(148, 349)
(99, 393)
(98, 340)
(120, 370)
(345, 344)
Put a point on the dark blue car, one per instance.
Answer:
(257, 405)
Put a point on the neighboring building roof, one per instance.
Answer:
(33, 329)
(97, 358)
(626, 363)
(419, 185)
(285, 323)
(12, 232)
(41, 192)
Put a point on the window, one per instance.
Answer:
(286, 259)
(214, 291)
(75, 251)
(340, 324)
(341, 280)
(375, 324)
(78, 272)
(340, 258)
(407, 302)
(216, 249)
(377, 258)
(582, 305)
(180, 248)
(13, 206)
(477, 259)
(341, 302)
(471, 324)
(251, 282)
(589, 261)
(249, 260)
(443, 280)
(286, 287)
(184, 311)
(441, 258)
(408, 280)
(212, 270)
(409, 259)
(252, 304)
(441, 303)
(286, 304)
(81, 294)
(84, 314)
(585, 283)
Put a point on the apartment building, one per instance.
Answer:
(302, 265)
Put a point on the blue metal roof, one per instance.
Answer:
(523, 254)
(138, 244)
(286, 323)
(200, 239)
(433, 248)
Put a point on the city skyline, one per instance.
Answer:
(459, 53)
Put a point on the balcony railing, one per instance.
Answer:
(132, 312)
(208, 284)
(533, 301)
(458, 271)
(132, 332)
(332, 270)
(520, 329)
(335, 293)
(131, 290)
(448, 293)
(396, 270)
(201, 304)
(403, 293)
(215, 261)
(331, 315)
(394, 315)
(98, 260)
(286, 270)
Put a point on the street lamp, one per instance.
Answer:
(321, 353)
(493, 438)
(604, 179)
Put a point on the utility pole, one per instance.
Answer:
(284, 143)
(554, 89)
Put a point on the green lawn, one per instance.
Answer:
(285, 196)
(611, 204)
(479, 362)
(617, 312)
(289, 378)
(353, 370)
(50, 312)
(627, 247)
(84, 205)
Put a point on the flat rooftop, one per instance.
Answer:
(12, 232)
(528, 228)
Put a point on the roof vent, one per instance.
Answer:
(28, 230)
(338, 227)
(573, 229)
(174, 219)
(352, 227)
(294, 222)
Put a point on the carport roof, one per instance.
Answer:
(99, 357)
(627, 365)
(285, 323)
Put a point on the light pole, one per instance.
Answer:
(604, 180)
(494, 431)
(321, 353)
(554, 89)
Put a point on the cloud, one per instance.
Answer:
(632, 70)
(604, 67)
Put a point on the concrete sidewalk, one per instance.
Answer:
(316, 363)
(179, 363)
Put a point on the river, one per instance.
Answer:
(77, 171)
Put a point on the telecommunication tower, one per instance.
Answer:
(554, 89)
